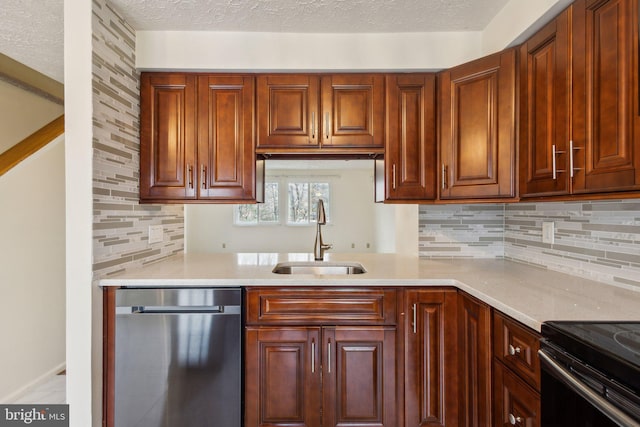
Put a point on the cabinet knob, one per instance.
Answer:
(514, 350)
(513, 420)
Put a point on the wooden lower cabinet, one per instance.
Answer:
(515, 403)
(430, 358)
(474, 361)
(320, 376)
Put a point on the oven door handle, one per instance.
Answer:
(570, 380)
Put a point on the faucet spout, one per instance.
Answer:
(319, 247)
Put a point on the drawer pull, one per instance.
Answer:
(313, 356)
(513, 420)
(514, 350)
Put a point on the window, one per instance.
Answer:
(303, 201)
(260, 213)
(300, 203)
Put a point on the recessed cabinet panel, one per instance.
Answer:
(431, 372)
(410, 146)
(288, 111)
(283, 372)
(226, 168)
(545, 110)
(477, 128)
(353, 110)
(359, 364)
(605, 78)
(167, 136)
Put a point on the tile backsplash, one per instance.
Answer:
(599, 240)
(120, 224)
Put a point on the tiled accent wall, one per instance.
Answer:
(120, 229)
(598, 240)
(461, 231)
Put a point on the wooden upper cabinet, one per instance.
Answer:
(605, 96)
(196, 138)
(226, 154)
(431, 372)
(353, 110)
(288, 111)
(410, 146)
(545, 110)
(477, 128)
(167, 136)
(298, 113)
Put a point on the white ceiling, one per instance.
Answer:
(32, 30)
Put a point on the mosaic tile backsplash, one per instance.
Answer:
(120, 225)
(599, 240)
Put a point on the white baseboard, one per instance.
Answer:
(12, 397)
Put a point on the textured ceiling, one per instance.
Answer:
(310, 16)
(32, 30)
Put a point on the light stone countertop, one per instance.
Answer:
(529, 294)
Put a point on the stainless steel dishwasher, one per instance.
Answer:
(178, 358)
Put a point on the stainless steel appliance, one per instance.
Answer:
(178, 358)
(590, 374)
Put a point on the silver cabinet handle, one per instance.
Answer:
(313, 356)
(572, 168)
(393, 174)
(567, 378)
(329, 357)
(326, 125)
(554, 153)
(313, 125)
(514, 350)
(415, 318)
(553, 161)
(190, 173)
(203, 175)
(513, 420)
(444, 177)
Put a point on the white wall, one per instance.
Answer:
(352, 220)
(32, 276)
(79, 213)
(22, 113)
(185, 50)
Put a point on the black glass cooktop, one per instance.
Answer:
(612, 348)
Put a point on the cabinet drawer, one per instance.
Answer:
(515, 403)
(517, 347)
(312, 305)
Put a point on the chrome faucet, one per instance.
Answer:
(319, 247)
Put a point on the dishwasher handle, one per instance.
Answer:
(206, 309)
(569, 379)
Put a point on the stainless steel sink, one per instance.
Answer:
(319, 267)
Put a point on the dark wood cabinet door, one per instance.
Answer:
(410, 147)
(288, 111)
(226, 154)
(477, 128)
(359, 376)
(167, 136)
(545, 110)
(282, 377)
(605, 61)
(352, 111)
(515, 403)
(474, 352)
(431, 374)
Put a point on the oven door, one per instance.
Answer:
(567, 400)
